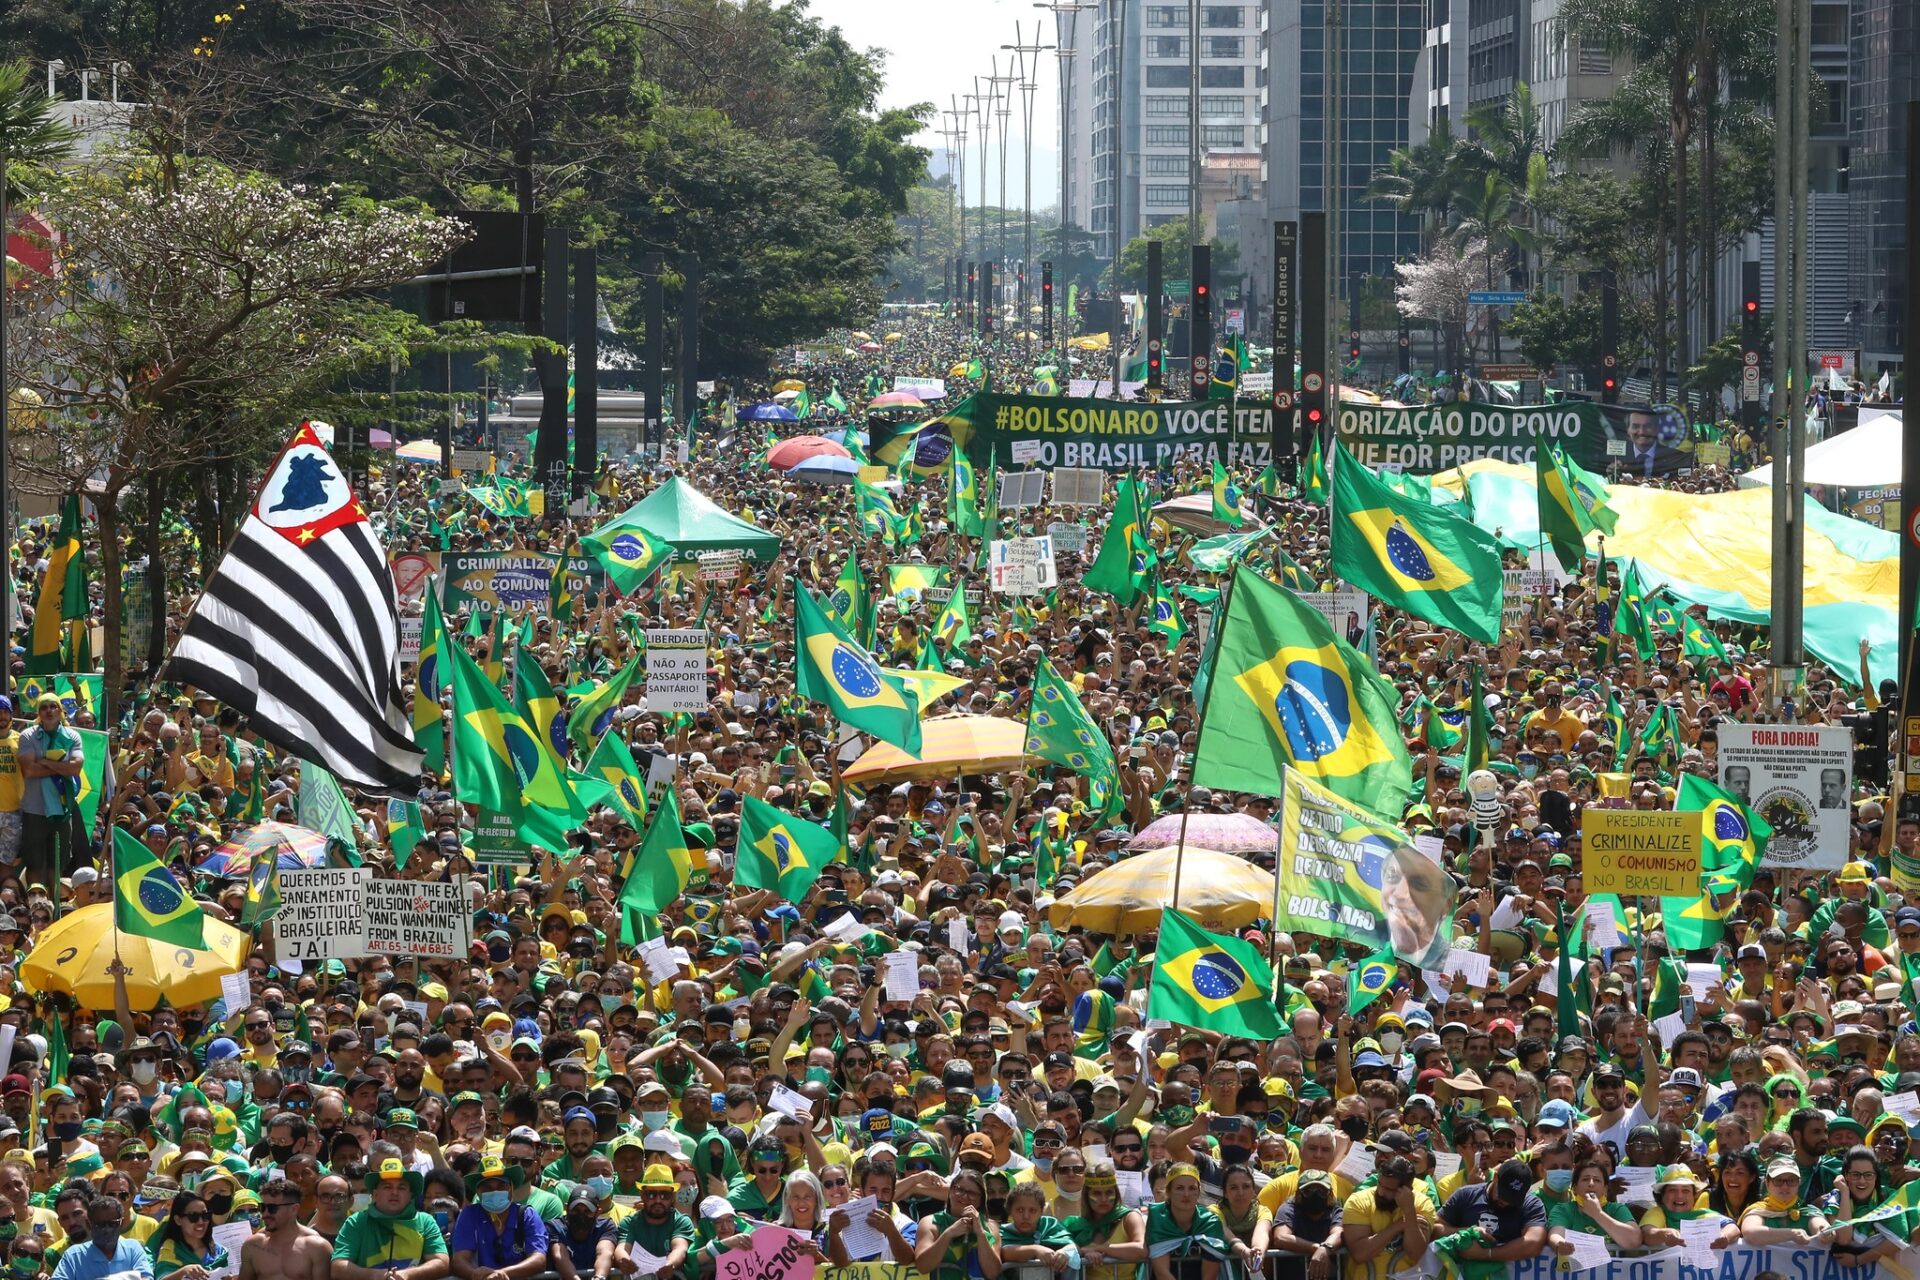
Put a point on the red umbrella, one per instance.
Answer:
(791, 453)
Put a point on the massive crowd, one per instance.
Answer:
(540, 1105)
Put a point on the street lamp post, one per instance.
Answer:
(1027, 68)
(1065, 45)
(1003, 91)
(983, 112)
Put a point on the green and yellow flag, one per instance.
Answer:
(534, 698)
(1370, 979)
(1632, 616)
(953, 628)
(1163, 610)
(1415, 556)
(832, 669)
(850, 603)
(1313, 480)
(1226, 497)
(659, 874)
(429, 678)
(63, 592)
(612, 761)
(1733, 838)
(1285, 689)
(1203, 979)
(501, 760)
(1060, 730)
(148, 902)
(1566, 514)
(592, 716)
(780, 852)
(1126, 555)
(964, 497)
(630, 554)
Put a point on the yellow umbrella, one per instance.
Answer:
(1091, 342)
(1219, 890)
(893, 337)
(789, 384)
(958, 370)
(861, 334)
(948, 745)
(75, 954)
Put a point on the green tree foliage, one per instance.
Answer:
(1173, 235)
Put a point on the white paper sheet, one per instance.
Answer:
(958, 936)
(1508, 913)
(1602, 929)
(847, 929)
(1588, 1251)
(1135, 1189)
(1669, 1028)
(863, 1241)
(1697, 1236)
(1639, 1184)
(1475, 967)
(1905, 1104)
(237, 992)
(788, 1102)
(903, 976)
(1702, 979)
(1445, 1165)
(231, 1236)
(1358, 1166)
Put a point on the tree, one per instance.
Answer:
(189, 320)
(1173, 235)
(1420, 182)
(1434, 287)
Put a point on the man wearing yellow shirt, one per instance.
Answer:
(1317, 1147)
(1553, 718)
(1386, 1226)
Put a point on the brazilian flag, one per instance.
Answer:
(1203, 979)
(1696, 641)
(964, 496)
(629, 553)
(501, 760)
(593, 715)
(659, 873)
(429, 678)
(850, 604)
(1313, 483)
(1732, 840)
(1283, 688)
(148, 902)
(90, 785)
(780, 852)
(405, 831)
(1226, 497)
(612, 761)
(953, 628)
(534, 698)
(1371, 978)
(1163, 611)
(1566, 511)
(559, 590)
(832, 669)
(1415, 556)
(1126, 557)
(1632, 613)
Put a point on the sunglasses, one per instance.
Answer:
(833, 1182)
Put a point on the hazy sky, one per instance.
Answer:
(935, 48)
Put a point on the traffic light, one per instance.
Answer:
(1200, 323)
(1751, 413)
(1046, 303)
(1353, 346)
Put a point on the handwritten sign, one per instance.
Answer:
(773, 1254)
(1631, 851)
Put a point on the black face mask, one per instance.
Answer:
(218, 1205)
(1354, 1127)
(997, 1209)
(1316, 1202)
(280, 1154)
(1235, 1155)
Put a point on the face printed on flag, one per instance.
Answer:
(1213, 979)
(307, 494)
(854, 674)
(1405, 555)
(1307, 698)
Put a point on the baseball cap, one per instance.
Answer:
(1556, 1113)
(1512, 1180)
(1684, 1077)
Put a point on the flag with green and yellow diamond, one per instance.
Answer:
(780, 852)
(1060, 730)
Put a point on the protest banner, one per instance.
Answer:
(676, 670)
(497, 841)
(1736, 1262)
(869, 1271)
(1799, 778)
(926, 389)
(426, 918)
(1433, 437)
(412, 570)
(322, 914)
(1630, 851)
(773, 1253)
(514, 579)
(410, 639)
(1346, 610)
(1022, 566)
(1347, 873)
(1107, 435)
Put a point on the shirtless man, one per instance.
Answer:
(283, 1249)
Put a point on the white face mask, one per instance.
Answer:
(143, 1072)
(1390, 1042)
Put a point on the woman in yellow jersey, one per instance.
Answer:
(1111, 1237)
(1249, 1223)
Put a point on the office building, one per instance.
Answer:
(1884, 66)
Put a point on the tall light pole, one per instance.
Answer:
(1027, 68)
(955, 135)
(983, 112)
(1066, 44)
(1117, 11)
(1003, 90)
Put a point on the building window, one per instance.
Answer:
(1167, 77)
(1164, 197)
(1223, 47)
(1222, 135)
(1222, 104)
(1166, 15)
(1167, 166)
(1167, 106)
(1221, 15)
(1223, 77)
(1167, 135)
(1166, 46)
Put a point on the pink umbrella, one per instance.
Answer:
(378, 439)
(870, 346)
(896, 400)
(1225, 832)
(791, 453)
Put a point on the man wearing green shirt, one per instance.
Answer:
(659, 1230)
(392, 1239)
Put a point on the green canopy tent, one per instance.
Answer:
(680, 515)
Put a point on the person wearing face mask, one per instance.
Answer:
(597, 1177)
(1386, 1227)
(586, 1238)
(106, 1251)
(140, 1063)
(494, 1238)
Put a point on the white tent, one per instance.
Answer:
(1866, 457)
